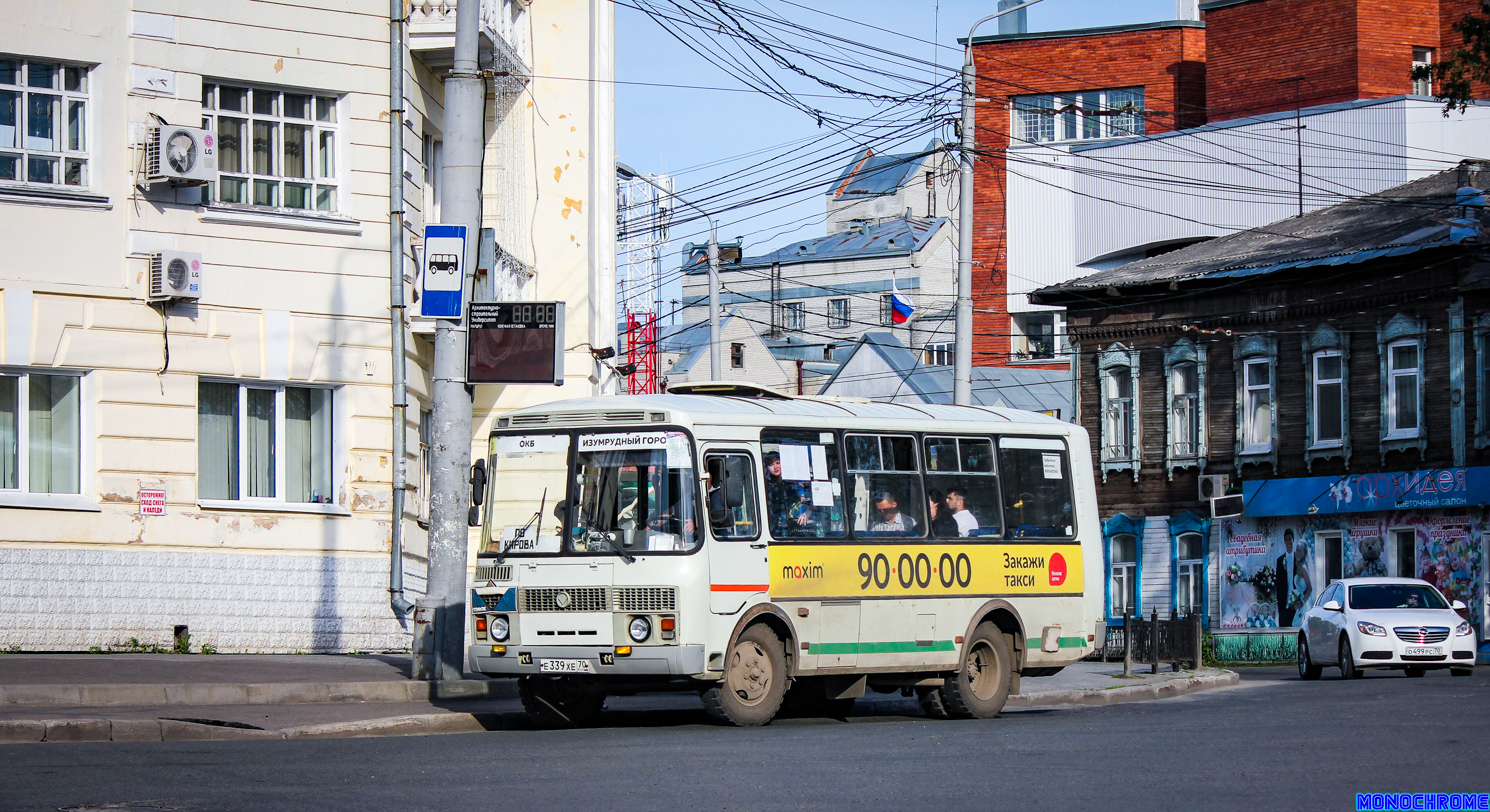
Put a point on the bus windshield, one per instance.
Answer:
(527, 483)
(637, 492)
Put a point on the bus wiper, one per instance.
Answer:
(610, 538)
(523, 531)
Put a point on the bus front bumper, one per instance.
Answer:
(521, 661)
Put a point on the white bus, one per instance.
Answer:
(759, 548)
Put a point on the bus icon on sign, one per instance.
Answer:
(444, 263)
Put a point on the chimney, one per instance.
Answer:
(1016, 23)
(1187, 9)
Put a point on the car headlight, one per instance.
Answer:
(1463, 629)
(640, 629)
(499, 628)
(1371, 629)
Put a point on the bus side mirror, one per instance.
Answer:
(478, 492)
(736, 476)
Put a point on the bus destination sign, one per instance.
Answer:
(515, 342)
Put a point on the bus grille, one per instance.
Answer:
(646, 599)
(495, 572)
(572, 418)
(580, 599)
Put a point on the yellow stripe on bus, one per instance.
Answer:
(909, 570)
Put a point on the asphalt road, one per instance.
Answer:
(1271, 742)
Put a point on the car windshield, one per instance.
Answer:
(636, 492)
(1395, 596)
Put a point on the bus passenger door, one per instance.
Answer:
(737, 538)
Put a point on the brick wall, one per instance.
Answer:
(1169, 63)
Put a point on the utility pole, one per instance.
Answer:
(1298, 136)
(962, 360)
(449, 502)
(713, 271)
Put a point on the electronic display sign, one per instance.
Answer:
(515, 342)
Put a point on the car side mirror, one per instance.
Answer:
(1458, 606)
(478, 492)
(736, 475)
(1332, 605)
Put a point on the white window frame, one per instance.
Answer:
(1317, 381)
(838, 314)
(887, 310)
(1246, 351)
(278, 502)
(1252, 402)
(1185, 352)
(432, 152)
(1081, 116)
(1194, 570)
(736, 355)
(1394, 395)
(939, 355)
(1124, 572)
(1025, 351)
(794, 316)
(21, 496)
(1119, 453)
(1402, 329)
(319, 180)
(66, 156)
(1422, 57)
(426, 443)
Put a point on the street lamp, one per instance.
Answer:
(962, 361)
(628, 173)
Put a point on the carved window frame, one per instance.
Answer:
(1326, 338)
(1109, 362)
(1481, 332)
(1183, 525)
(1398, 329)
(1122, 524)
(1248, 348)
(1184, 351)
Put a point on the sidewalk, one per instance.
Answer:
(166, 697)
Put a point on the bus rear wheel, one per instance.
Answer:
(755, 680)
(557, 703)
(980, 687)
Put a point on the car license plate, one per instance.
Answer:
(1423, 651)
(566, 667)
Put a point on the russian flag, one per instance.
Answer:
(900, 307)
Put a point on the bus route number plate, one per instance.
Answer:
(566, 667)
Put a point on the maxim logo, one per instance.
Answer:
(809, 570)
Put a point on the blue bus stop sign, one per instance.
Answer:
(444, 272)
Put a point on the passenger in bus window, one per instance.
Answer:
(957, 503)
(789, 504)
(891, 519)
(942, 523)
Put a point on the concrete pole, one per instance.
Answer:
(460, 204)
(396, 307)
(962, 355)
(714, 368)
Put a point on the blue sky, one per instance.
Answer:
(699, 135)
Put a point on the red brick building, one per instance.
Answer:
(1247, 58)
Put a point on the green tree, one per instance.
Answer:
(1464, 65)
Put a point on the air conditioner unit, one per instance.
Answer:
(1213, 485)
(174, 275)
(180, 156)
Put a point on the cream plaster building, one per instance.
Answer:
(263, 410)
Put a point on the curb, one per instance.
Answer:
(268, 693)
(424, 724)
(1134, 693)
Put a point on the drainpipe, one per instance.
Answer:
(398, 23)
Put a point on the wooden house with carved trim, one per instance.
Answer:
(1333, 368)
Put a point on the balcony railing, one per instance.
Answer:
(504, 25)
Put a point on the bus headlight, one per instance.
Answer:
(640, 629)
(498, 627)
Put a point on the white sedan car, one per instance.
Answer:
(1393, 623)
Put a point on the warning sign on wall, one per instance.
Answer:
(152, 502)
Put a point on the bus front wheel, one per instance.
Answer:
(755, 680)
(556, 703)
(980, 687)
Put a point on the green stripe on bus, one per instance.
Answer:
(1066, 642)
(879, 648)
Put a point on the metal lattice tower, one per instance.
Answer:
(642, 211)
